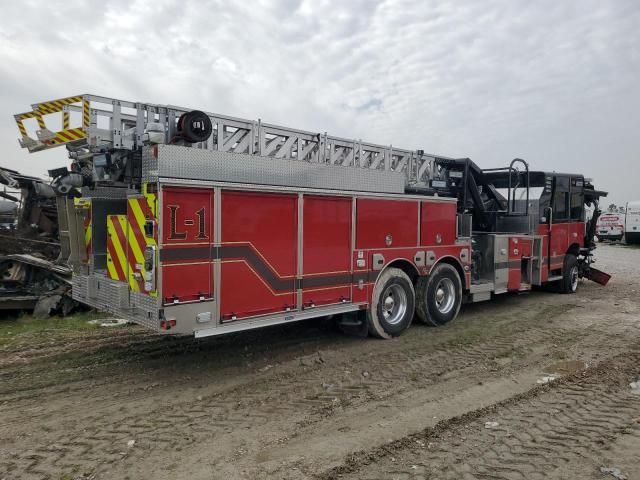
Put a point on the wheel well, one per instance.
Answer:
(455, 264)
(574, 249)
(407, 267)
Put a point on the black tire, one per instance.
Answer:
(392, 304)
(570, 274)
(443, 280)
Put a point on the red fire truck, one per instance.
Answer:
(197, 223)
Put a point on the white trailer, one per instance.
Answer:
(632, 222)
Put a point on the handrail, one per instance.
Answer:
(511, 207)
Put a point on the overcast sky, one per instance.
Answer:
(553, 82)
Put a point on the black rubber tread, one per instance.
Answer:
(375, 320)
(426, 310)
(421, 303)
(570, 261)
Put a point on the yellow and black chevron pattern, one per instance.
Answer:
(60, 137)
(55, 106)
(126, 242)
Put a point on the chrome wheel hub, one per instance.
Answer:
(394, 304)
(445, 295)
(574, 278)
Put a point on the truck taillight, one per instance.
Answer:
(167, 324)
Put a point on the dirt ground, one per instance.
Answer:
(463, 401)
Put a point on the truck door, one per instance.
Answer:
(559, 228)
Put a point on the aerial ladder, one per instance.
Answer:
(107, 130)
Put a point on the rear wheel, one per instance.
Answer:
(439, 295)
(393, 304)
(570, 274)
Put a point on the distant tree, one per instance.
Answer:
(612, 208)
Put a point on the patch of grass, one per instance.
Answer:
(11, 330)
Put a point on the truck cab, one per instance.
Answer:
(528, 227)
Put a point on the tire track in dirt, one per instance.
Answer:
(299, 396)
(106, 357)
(539, 432)
(139, 347)
(98, 438)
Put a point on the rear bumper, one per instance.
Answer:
(609, 236)
(116, 298)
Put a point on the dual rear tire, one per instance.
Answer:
(439, 295)
(435, 300)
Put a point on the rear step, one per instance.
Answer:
(555, 278)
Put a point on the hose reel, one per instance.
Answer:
(194, 126)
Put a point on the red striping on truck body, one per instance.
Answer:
(258, 253)
(258, 250)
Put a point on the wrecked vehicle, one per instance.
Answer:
(33, 271)
(8, 214)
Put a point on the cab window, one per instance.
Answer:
(561, 199)
(576, 206)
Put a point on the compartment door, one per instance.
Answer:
(186, 251)
(327, 250)
(258, 254)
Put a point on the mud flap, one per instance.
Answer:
(354, 323)
(597, 276)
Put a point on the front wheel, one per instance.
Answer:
(570, 274)
(439, 295)
(392, 304)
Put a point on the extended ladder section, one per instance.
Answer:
(90, 124)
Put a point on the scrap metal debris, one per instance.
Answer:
(614, 472)
(29, 282)
(32, 276)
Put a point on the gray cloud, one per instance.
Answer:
(552, 82)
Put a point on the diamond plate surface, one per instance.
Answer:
(149, 166)
(105, 192)
(111, 296)
(196, 164)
